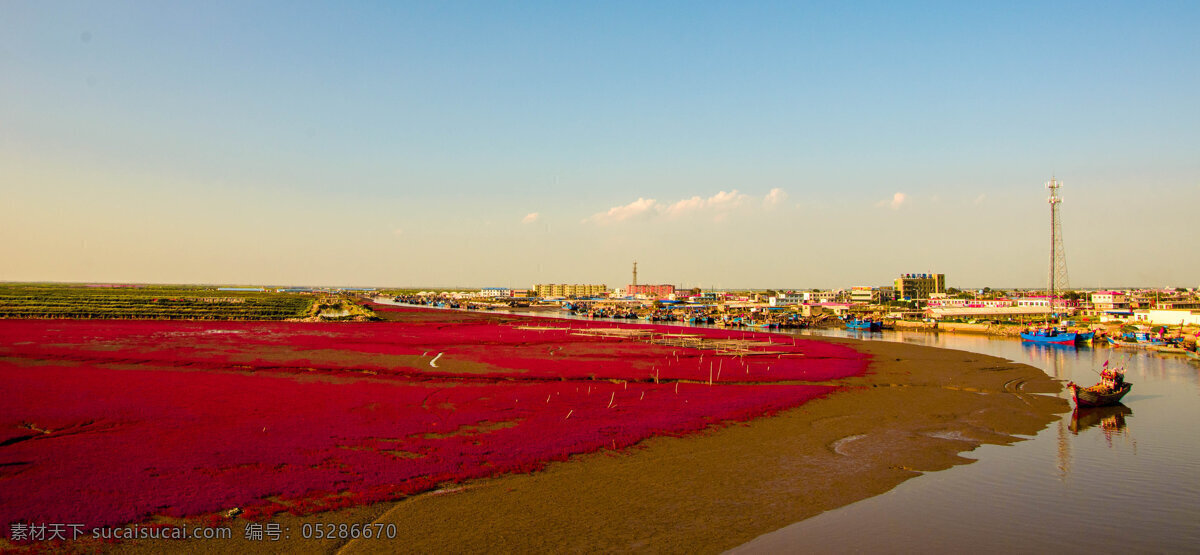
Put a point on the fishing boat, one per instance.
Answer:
(864, 325)
(1097, 395)
(1137, 340)
(1193, 355)
(1109, 391)
(1050, 335)
(1169, 349)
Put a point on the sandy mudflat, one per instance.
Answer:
(916, 411)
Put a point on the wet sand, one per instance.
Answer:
(917, 410)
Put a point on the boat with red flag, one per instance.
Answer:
(1109, 391)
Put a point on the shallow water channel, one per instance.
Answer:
(1113, 479)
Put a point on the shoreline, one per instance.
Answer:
(917, 410)
(724, 488)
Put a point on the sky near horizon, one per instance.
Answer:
(738, 144)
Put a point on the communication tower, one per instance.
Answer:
(634, 272)
(1058, 256)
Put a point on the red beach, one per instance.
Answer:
(110, 422)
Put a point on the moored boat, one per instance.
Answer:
(1168, 349)
(1109, 391)
(1097, 395)
(1050, 335)
(864, 325)
(1133, 341)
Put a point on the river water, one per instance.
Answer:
(1115, 479)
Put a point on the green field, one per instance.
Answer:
(168, 302)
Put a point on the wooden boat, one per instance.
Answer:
(1138, 340)
(1098, 395)
(1193, 355)
(1136, 343)
(1050, 335)
(1168, 349)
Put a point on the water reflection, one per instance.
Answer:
(1111, 420)
(1053, 357)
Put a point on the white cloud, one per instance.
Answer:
(398, 231)
(775, 198)
(684, 206)
(530, 218)
(898, 200)
(621, 213)
(718, 203)
(982, 197)
(718, 207)
(723, 200)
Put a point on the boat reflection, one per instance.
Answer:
(1110, 419)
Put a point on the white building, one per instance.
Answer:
(819, 296)
(786, 299)
(942, 301)
(987, 312)
(1168, 316)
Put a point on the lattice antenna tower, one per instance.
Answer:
(1058, 256)
(635, 272)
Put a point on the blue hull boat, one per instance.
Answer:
(1052, 336)
(864, 325)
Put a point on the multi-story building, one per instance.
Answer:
(911, 287)
(1103, 301)
(786, 299)
(494, 292)
(864, 294)
(810, 297)
(654, 291)
(569, 290)
(887, 294)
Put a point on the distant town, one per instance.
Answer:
(911, 296)
(911, 300)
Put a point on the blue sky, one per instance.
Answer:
(719, 144)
